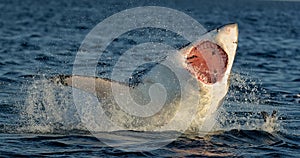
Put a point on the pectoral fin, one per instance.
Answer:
(100, 87)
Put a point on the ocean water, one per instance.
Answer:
(40, 39)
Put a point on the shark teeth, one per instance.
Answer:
(207, 62)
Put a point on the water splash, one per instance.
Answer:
(49, 108)
(271, 122)
(244, 89)
(243, 106)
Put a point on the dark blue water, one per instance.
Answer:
(40, 39)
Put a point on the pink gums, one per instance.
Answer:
(207, 61)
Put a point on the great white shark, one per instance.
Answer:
(208, 61)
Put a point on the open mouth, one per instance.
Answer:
(207, 61)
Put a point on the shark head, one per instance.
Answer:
(210, 59)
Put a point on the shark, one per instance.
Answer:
(206, 65)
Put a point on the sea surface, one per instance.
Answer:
(40, 39)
